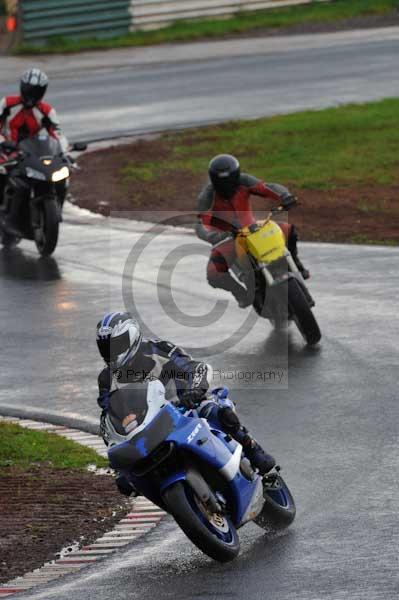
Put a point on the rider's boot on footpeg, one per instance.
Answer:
(242, 297)
(225, 281)
(259, 459)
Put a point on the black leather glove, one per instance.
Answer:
(8, 146)
(125, 486)
(192, 398)
(288, 201)
(218, 236)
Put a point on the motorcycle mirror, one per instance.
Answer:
(79, 147)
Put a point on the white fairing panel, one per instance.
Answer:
(230, 469)
(256, 504)
(155, 400)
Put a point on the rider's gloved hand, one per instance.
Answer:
(288, 201)
(192, 398)
(8, 146)
(125, 486)
(218, 236)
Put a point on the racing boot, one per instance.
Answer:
(258, 458)
(226, 282)
(243, 297)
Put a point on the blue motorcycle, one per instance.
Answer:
(192, 469)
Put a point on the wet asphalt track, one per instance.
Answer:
(334, 428)
(101, 94)
(331, 422)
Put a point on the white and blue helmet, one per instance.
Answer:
(118, 338)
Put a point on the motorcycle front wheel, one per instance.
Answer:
(46, 235)
(279, 509)
(302, 313)
(213, 533)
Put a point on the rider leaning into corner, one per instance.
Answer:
(23, 116)
(223, 205)
(130, 359)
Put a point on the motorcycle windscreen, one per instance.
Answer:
(141, 413)
(267, 244)
(128, 408)
(40, 145)
(127, 454)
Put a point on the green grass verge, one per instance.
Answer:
(314, 12)
(22, 448)
(323, 149)
(361, 238)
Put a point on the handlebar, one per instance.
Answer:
(235, 231)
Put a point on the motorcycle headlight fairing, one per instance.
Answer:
(63, 173)
(34, 174)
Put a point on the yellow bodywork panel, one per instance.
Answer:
(267, 244)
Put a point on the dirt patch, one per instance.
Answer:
(361, 213)
(43, 510)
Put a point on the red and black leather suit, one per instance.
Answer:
(18, 122)
(219, 214)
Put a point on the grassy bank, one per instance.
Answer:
(23, 448)
(341, 162)
(319, 150)
(272, 19)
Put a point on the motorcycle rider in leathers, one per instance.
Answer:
(131, 359)
(23, 116)
(224, 204)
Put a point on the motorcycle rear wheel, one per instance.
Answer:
(215, 535)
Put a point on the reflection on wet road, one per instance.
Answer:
(331, 421)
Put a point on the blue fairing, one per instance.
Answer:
(190, 435)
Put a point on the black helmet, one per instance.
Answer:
(33, 87)
(118, 338)
(224, 173)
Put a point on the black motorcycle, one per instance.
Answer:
(36, 180)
